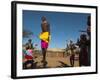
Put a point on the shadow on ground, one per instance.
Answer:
(33, 65)
(63, 64)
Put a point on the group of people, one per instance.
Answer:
(84, 44)
(45, 38)
(28, 55)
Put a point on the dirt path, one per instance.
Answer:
(53, 62)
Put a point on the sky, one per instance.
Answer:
(63, 26)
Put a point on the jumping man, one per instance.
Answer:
(45, 37)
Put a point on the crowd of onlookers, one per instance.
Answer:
(84, 43)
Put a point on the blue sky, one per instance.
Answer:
(63, 26)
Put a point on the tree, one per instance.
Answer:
(27, 33)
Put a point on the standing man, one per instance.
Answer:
(71, 45)
(30, 44)
(83, 56)
(45, 37)
(89, 39)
